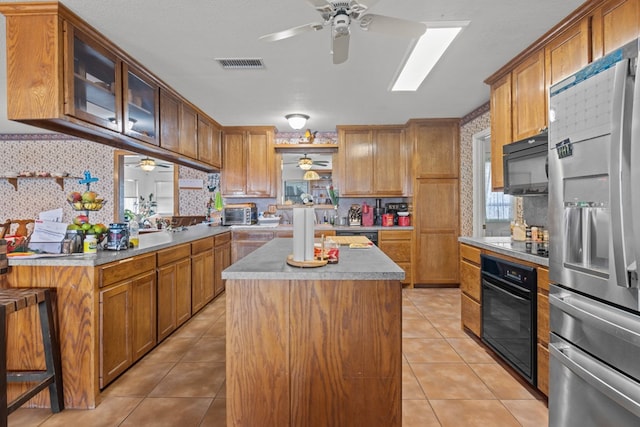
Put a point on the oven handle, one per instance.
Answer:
(498, 281)
(504, 291)
(612, 384)
(605, 320)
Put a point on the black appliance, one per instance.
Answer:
(394, 208)
(509, 313)
(526, 166)
(371, 235)
(378, 211)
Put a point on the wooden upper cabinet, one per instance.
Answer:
(501, 129)
(209, 142)
(615, 23)
(188, 126)
(567, 53)
(93, 84)
(528, 92)
(141, 105)
(435, 148)
(372, 161)
(169, 121)
(249, 162)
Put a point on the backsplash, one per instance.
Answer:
(61, 153)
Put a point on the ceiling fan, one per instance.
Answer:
(148, 164)
(306, 163)
(340, 14)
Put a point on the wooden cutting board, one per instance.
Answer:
(347, 240)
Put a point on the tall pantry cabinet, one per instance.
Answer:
(436, 204)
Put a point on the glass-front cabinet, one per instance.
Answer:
(93, 89)
(141, 105)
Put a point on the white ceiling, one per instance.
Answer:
(178, 41)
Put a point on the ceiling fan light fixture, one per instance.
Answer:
(147, 164)
(311, 176)
(426, 53)
(305, 163)
(297, 120)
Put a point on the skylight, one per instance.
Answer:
(426, 53)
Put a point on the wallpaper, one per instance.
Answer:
(467, 131)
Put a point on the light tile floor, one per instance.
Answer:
(448, 378)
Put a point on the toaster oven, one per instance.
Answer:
(240, 214)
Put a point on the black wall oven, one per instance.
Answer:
(509, 313)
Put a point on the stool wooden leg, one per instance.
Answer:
(51, 352)
(4, 410)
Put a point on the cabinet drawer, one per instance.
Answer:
(201, 245)
(398, 251)
(543, 279)
(471, 317)
(470, 280)
(384, 235)
(543, 369)
(543, 318)
(126, 268)
(221, 239)
(167, 256)
(470, 253)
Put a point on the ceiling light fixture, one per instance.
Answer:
(147, 164)
(426, 53)
(305, 163)
(311, 176)
(297, 120)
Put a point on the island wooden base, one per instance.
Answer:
(310, 353)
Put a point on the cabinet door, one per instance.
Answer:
(436, 215)
(208, 288)
(93, 84)
(260, 163)
(141, 105)
(143, 314)
(209, 149)
(436, 147)
(501, 130)
(234, 178)
(115, 332)
(198, 279)
(222, 260)
(615, 23)
(169, 121)
(356, 162)
(567, 53)
(167, 279)
(529, 101)
(183, 291)
(389, 163)
(188, 127)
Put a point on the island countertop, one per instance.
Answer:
(269, 262)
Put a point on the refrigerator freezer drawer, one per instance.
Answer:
(608, 333)
(588, 393)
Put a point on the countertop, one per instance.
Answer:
(504, 246)
(149, 242)
(355, 228)
(269, 262)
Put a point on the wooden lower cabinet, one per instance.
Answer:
(202, 273)
(471, 315)
(174, 288)
(543, 330)
(127, 323)
(470, 285)
(245, 242)
(221, 260)
(398, 245)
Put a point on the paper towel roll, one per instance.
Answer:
(310, 216)
(298, 234)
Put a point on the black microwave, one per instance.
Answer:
(526, 166)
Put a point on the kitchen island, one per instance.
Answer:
(313, 346)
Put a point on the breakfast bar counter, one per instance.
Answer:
(313, 346)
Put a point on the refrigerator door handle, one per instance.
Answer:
(619, 179)
(602, 318)
(609, 382)
(635, 162)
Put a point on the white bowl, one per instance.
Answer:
(403, 213)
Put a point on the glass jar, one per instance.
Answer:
(134, 233)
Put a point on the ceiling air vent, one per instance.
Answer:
(240, 63)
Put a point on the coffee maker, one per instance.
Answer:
(378, 211)
(394, 208)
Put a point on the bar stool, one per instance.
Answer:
(13, 300)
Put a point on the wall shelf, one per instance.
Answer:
(58, 179)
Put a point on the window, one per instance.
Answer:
(164, 197)
(498, 206)
(130, 194)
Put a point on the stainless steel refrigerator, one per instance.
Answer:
(594, 222)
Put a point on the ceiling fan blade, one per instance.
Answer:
(319, 4)
(285, 34)
(368, 3)
(392, 26)
(340, 48)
